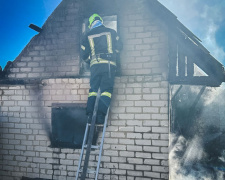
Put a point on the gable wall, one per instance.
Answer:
(55, 51)
(136, 141)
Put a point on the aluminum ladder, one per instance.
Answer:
(87, 145)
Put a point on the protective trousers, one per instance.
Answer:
(103, 79)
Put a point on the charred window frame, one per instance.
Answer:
(110, 21)
(190, 63)
(68, 125)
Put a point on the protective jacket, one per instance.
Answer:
(99, 48)
(100, 45)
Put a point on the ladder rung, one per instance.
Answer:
(92, 146)
(91, 171)
(100, 125)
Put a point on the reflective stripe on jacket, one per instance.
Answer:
(100, 40)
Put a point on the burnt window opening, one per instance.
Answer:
(68, 125)
(108, 21)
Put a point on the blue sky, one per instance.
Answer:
(205, 18)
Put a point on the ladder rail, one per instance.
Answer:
(101, 146)
(90, 137)
(82, 152)
(88, 150)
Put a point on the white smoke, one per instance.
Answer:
(209, 39)
(214, 95)
(185, 160)
(198, 153)
(194, 152)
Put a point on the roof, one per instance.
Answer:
(199, 54)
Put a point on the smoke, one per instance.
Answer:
(36, 92)
(214, 95)
(194, 152)
(197, 150)
(188, 160)
(204, 19)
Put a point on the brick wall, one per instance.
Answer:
(139, 122)
(25, 119)
(145, 42)
(136, 143)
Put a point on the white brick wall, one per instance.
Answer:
(145, 43)
(136, 141)
(136, 135)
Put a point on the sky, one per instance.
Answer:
(205, 18)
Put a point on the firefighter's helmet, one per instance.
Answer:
(94, 17)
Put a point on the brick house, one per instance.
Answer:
(158, 52)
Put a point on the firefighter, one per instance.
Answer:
(99, 48)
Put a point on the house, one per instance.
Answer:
(48, 80)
